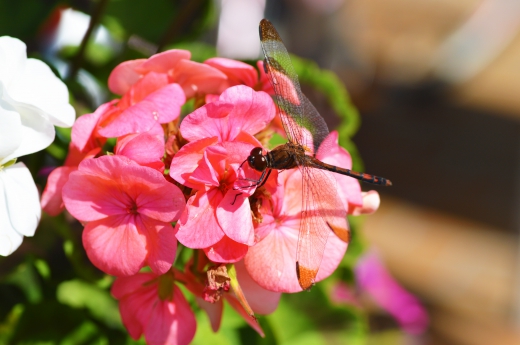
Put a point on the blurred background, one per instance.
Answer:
(437, 86)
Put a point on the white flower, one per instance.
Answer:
(32, 101)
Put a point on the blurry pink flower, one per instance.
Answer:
(342, 293)
(373, 279)
(239, 113)
(271, 261)
(194, 78)
(153, 306)
(127, 209)
(211, 216)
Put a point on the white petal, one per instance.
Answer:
(37, 131)
(38, 86)
(10, 130)
(21, 199)
(12, 59)
(10, 239)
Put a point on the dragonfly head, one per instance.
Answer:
(257, 160)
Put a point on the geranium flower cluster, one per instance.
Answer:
(170, 181)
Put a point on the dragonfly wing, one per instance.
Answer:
(323, 212)
(284, 79)
(314, 122)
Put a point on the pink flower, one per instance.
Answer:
(271, 261)
(194, 78)
(211, 217)
(373, 279)
(239, 113)
(153, 306)
(127, 209)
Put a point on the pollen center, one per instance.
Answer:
(132, 209)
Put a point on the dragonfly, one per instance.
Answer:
(322, 209)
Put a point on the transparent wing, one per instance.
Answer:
(323, 212)
(302, 122)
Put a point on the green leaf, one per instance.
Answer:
(227, 334)
(56, 151)
(48, 321)
(276, 140)
(27, 279)
(79, 294)
(43, 268)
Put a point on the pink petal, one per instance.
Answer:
(271, 263)
(235, 209)
(124, 76)
(196, 78)
(206, 122)
(239, 109)
(171, 322)
(238, 72)
(52, 201)
(372, 277)
(213, 310)
(164, 201)
(137, 308)
(165, 61)
(253, 109)
(261, 300)
(145, 86)
(161, 243)
(85, 198)
(124, 286)
(330, 152)
(211, 98)
(143, 148)
(226, 250)
(371, 203)
(85, 126)
(208, 172)
(187, 159)
(162, 106)
(198, 227)
(129, 184)
(233, 301)
(115, 246)
(265, 83)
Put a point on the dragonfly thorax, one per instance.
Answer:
(257, 160)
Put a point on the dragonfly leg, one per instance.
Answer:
(257, 183)
(235, 199)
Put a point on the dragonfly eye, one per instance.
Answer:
(257, 160)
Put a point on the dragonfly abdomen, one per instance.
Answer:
(357, 175)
